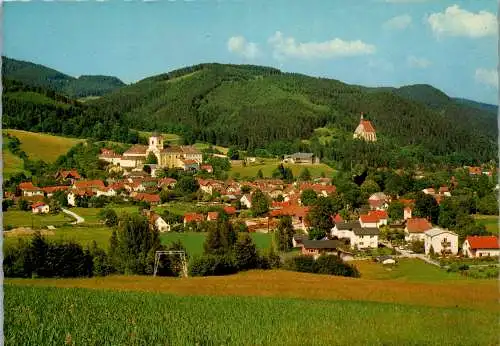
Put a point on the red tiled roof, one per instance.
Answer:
(444, 189)
(376, 202)
(407, 202)
(73, 173)
(483, 242)
(230, 210)
(369, 218)
(167, 181)
(51, 189)
(88, 183)
(136, 149)
(381, 214)
(475, 170)
(367, 125)
(338, 218)
(417, 225)
(37, 204)
(212, 215)
(148, 197)
(275, 204)
(291, 210)
(189, 162)
(28, 186)
(190, 217)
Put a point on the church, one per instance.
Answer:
(365, 131)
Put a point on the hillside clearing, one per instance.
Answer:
(489, 221)
(41, 146)
(270, 165)
(11, 164)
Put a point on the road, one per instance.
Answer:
(406, 253)
(78, 218)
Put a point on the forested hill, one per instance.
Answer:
(40, 76)
(266, 111)
(254, 107)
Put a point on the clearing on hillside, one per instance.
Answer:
(11, 163)
(269, 165)
(41, 146)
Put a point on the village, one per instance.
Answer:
(352, 235)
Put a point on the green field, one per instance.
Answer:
(489, 221)
(91, 215)
(11, 163)
(194, 241)
(17, 218)
(41, 146)
(56, 316)
(270, 165)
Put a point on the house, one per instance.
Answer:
(40, 208)
(246, 201)
(94, 185)
(50, 190)
(415, 228)
(71, 175)
(298, 239)
(75, 193)
(442, 241)
(444, 191)
(29, 190)
(167, 182)
(368, 220)
(156, 221)
(307, 158)
(337, 218)
(189, 165)
(110, 156)
(207, 168)
(192, 217)
(480, 246)
(230, 210)
(429, 191)
(106, 191)
(365, 237)
(365, 131)
(297, 213)
(343, 230)
(378, 201)
(153, 199)
(382, 216)
(212, 216)
(320, 247)
(407, 213)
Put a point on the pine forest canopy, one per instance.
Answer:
(254, 107)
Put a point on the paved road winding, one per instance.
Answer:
(78, 218)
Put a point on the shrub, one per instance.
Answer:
(212, 265)
(325, 264)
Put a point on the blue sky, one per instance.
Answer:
(451, 45)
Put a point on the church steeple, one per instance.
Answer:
(361, 116)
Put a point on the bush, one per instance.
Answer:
(212, 265)
(325, 264)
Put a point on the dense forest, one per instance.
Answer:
(265, 111)
(41, 76)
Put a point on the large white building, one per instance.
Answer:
(441, 240)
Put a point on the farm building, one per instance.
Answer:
(40, 208)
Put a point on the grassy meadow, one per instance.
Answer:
(17, 218)
(489, 221)
(250, 308)
(11, 164)
(268, 166)
(42, 146)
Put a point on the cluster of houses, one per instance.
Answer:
(134, 159)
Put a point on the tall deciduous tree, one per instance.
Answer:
(308, 197)
(260, 203)
(284, 234)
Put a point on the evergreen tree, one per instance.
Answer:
(284, 234)
(245, 252)
(260, 203)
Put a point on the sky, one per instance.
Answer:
(450, 44)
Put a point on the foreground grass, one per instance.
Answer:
(43, 315)
(41, 146)
(473, 294)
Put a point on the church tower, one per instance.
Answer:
(155, 143)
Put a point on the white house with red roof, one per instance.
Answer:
(378, 201)
(208, 168)
(365, 130)
(415, 228)
(230, 210)
(407, 211)
(50, 190)
(40, 208)
(193, 217)
(212, 216)
(481, 246)
(442, 241)
(368, 220)
(29, 190)
(246, 200)
(382, 216)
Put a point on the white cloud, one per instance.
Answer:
(287, 47)
(398, 22)
(239, 45)
(455, 21)
(488, 77)
(415, 62)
